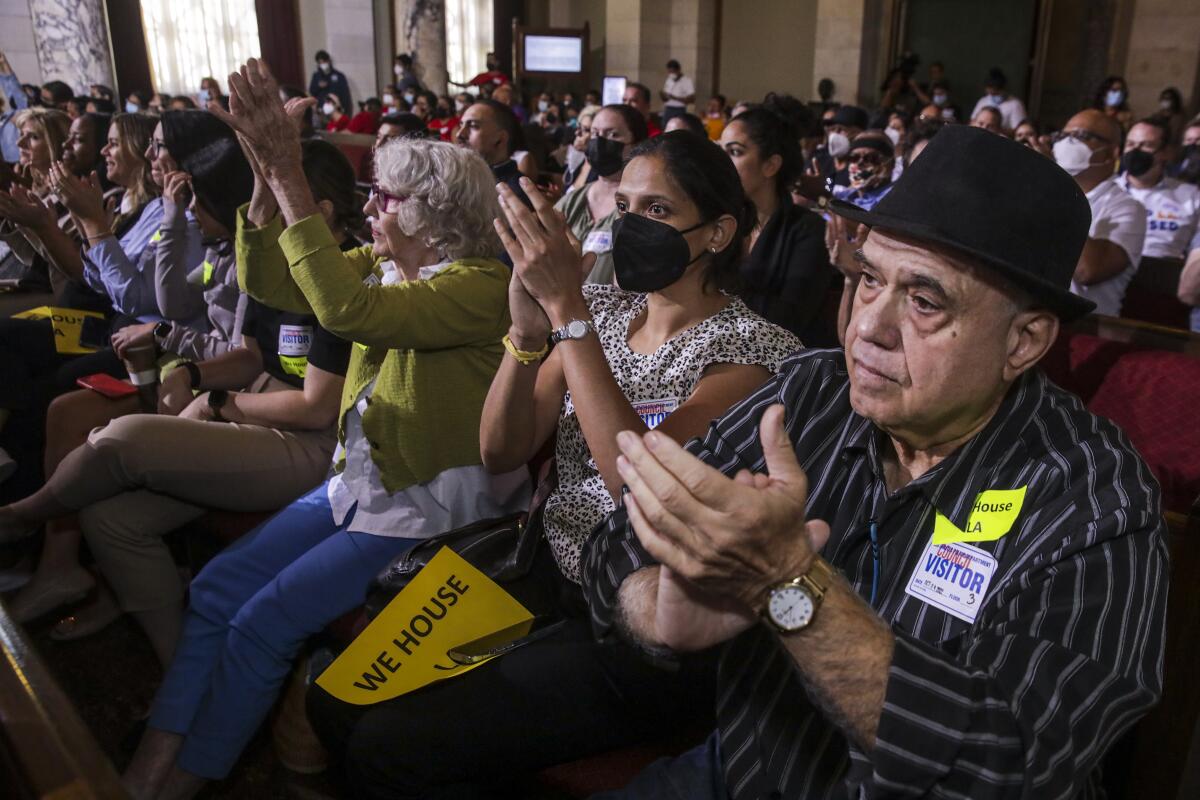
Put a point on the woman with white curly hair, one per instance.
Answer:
(426, 306)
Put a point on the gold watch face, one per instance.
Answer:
(790, 607)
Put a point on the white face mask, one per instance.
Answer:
(203, 96)
(131, 107)
(399, 70)
(939, 98)
(389, 99)
(543, 105)
(995, 98)
(839, 144)
(409, 97)
(892, 134)
(1072, 155)
(1165, 104)
(325, 66)
(460, 106)
(328, 109)
(1114, 98)
(575, 158)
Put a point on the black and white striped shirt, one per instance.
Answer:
(1064, 654)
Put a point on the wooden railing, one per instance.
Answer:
(45, 749)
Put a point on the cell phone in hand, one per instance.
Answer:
(107, 385)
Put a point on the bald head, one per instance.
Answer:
(1102, 134)
(1098, 123)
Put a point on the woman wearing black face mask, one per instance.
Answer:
(591, 212)
(671, 358)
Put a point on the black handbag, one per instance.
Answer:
(504, 549)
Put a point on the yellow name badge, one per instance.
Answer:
(294, 365)
(67, 324)
(992, 516)
(448, 603)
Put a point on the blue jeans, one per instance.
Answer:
(697, 774)
(250, 612)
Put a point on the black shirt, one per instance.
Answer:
(787, 276)
(290, 342)
(1066, 649)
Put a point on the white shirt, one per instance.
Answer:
(1121, 220)
(678, 87)
(1012, 110)
(1172, 217)
(454, 498)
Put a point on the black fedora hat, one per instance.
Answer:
(999, 203)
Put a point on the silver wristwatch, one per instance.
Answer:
(575, 329)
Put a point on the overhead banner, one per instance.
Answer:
(447, 604)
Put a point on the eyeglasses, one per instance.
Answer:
(867, 159)
(385, 202)
(155, 147)
(1082, 136)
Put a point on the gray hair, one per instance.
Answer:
(452, 195)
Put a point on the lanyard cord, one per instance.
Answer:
(875, 560)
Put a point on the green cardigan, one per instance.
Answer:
(431, 346)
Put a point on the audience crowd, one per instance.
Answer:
(770, 347)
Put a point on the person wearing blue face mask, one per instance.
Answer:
(328, 81)
(137, 101)
(1112, 97)
(668, 349)
(210, 90)
(996, 94)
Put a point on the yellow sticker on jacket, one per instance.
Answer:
(206, 276)
(992, 516)
(156, 238)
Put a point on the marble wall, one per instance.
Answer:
(16, 40)
(72, 42)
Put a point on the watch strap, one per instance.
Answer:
(564, 332)
(193, 373)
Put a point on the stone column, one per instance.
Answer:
(421, 30)
(72, 42)
(642, 35)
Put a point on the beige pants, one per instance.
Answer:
(144, 475)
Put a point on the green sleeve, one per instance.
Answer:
(465, 303)
(262, 269)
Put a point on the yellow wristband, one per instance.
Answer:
(526, 357)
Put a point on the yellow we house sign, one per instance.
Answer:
(447, 604)
(67, 324)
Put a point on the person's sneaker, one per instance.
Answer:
(7, 466)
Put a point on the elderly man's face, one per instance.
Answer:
(933, 342)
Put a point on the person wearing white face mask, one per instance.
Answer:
(996, 94)
(840, 128)
(336, 119)
(407, 82)
(1088, 149)
(328, 81)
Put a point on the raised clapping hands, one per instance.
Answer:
(842, 247)
(25, 208)
(723, 542)
(176, 192)
(268, 130)
(546, 258)
(83, 198)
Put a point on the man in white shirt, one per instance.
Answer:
(1088, 149)
(1012, 110)
(676, 93)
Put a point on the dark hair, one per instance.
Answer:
(221, 178)
(411, 124)
(721, 97)
(187, 131)
(922, 131)
(188, 102)
(103, 105)
(633, 120)
(1160, 124)
(774, 135)
(642, 90)
(995, 79)
(707, 176)
(59, 91)
(1174, 97)
(79, 104)
(507, 120)
(143, 97)
(405, 60)
(693, 124)
(323, 55)
(105, 91)
(100, 124)
(673, 64)
(331, 177)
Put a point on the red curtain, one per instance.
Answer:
(279, 38)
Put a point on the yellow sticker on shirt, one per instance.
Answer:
(157, 237)
(294, 365)
(992, 516)
(206, 276)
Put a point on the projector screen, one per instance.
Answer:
(553, 53)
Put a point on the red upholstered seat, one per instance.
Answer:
(1150, 394)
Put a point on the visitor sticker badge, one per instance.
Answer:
(992, 516)
(295, 340)
(953, 577)
(447, 604)
(598, 242)
(653, 412)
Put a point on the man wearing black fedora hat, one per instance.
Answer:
(929, 570)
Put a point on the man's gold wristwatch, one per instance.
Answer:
(792, 605)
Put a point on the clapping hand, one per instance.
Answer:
(83, 198)
(842, 246)
(176, 192)
(25, 208)
(268, 130)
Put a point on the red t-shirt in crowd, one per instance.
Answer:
(339, 124)
(444, 127)
(652, 128)
(364, 122)
(494, 77)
